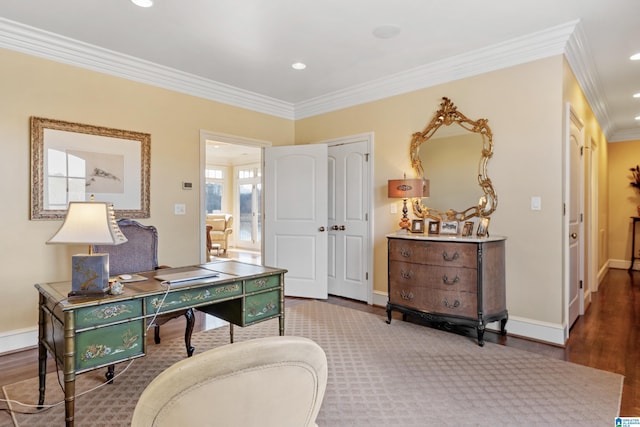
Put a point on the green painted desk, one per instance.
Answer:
(90, 333)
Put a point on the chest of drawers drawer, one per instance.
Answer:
(457, 303)
(434, 253)
(436, 277)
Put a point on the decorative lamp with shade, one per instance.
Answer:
(90, 223)
(405, 189)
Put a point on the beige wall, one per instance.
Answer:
(524, 108)
(524, 105)
(37, 87)
(624, 199)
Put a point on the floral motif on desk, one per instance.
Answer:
(94, 351)
(107, 312)
(196, 295)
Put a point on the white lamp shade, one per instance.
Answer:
(92, 223)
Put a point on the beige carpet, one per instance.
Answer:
(379, 375)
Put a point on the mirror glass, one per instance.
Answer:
(452, 153)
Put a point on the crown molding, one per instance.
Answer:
(565, 39)
(516, 51)
(625, 135)
(44, 44)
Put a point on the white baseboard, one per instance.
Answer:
(623, 264)
(18, 339)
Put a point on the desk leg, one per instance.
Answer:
(69, 367)
(231, 332)
(42, 352)
(282, 305)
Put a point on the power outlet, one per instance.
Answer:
(394, 208)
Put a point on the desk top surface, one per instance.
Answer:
(229, 271)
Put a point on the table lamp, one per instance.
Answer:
(91, 223)
(404, 189)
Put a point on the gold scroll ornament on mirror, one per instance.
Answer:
(453, 157)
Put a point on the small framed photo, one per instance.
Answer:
(434, 227)
(417, 226)
(449, 227)
(467, 229)
(483, 228)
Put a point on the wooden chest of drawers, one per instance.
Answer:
(451, 281)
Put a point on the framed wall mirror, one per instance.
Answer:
(73, 162)
(452, 152)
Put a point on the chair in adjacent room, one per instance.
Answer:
(138, 254)
(221, 226)
(274, 381)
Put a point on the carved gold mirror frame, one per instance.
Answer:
(448, 115)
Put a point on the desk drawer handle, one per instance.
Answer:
(446, 280)
(455, 304)
(446, 256)
(406, 252)
(406, 274)
(405, 296)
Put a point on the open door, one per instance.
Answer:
(295, 217)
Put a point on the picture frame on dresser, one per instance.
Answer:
(417, 226)
(467, 229)
(434, 227)
(483, 228)
(449, 227)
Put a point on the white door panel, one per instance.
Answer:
(348, 170)
(574, 213)
(295, 196)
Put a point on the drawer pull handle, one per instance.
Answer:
(406, 274)
(405, 296)
(406, 252)
(446, 280)
(446, 256)
(455, 304)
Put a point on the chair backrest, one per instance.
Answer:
(139, 253)
(275, 381)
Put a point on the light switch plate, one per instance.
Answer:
(179, 209)
(536, 203)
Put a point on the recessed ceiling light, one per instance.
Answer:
(143, 3)
(635, 57)
(298, 66)
(386, 31)
(636, 95)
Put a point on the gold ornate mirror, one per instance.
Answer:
(455, 163)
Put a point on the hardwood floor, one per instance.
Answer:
(607, 337)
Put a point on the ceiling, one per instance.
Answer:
(240, 51)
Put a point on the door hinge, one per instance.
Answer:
(564, 209)
(581, 217)
(582, 150)
(580, 284)
(366, 217)
(366, 276)
(366, 157)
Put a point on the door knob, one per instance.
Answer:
(342, 227)
(574, 235)
(321, 229)
(335, 227)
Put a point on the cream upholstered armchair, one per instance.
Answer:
(221, 226)
(274, 381)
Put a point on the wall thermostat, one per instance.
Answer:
(187, 185)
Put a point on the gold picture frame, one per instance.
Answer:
(483, 228)
(467, 229)
(73, 161)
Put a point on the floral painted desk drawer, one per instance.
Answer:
(110, 344)
(262, 283)
(261, 306)
(108, 313)
(192, 297)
